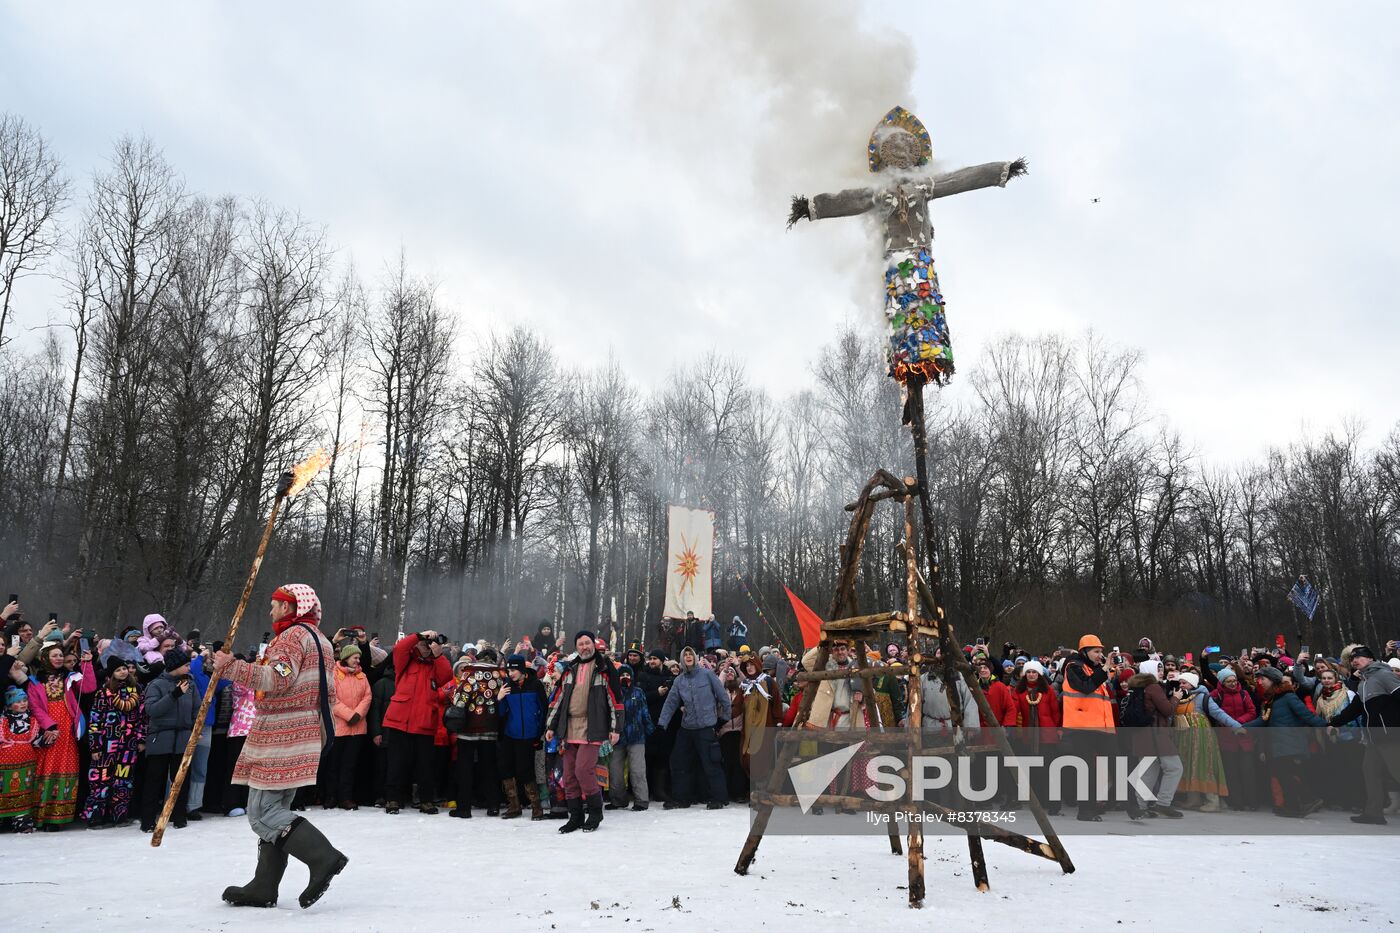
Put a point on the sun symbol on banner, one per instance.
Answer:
(688, 564)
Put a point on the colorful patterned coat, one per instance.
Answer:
(283, 749)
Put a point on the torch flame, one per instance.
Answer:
(303, 473)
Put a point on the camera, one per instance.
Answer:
(439, 639)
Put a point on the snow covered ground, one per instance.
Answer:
(674, 871)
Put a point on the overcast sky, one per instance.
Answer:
(617, 173)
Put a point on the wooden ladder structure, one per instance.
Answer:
(861, 631)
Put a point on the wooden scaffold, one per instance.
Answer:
(924, 623)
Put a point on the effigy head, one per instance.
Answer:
(899, 142)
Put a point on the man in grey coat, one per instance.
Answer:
(704, 706)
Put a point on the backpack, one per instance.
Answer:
(1132, 709)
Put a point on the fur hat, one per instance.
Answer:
(175, 658)
(114, 662)
(1033, 666)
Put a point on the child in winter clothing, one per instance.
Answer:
(153, 629)
(522, 711)
(19, 735)
(116, 736)
(630, 752)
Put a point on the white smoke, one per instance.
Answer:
(806, 82)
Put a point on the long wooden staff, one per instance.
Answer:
(284, 487)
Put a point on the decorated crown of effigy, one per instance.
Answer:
(898, 119)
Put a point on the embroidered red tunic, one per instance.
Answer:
(283, 749)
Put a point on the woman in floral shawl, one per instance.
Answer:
(59, 763)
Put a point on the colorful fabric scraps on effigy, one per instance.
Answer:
(919, 340)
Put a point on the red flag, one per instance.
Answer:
(807, 620)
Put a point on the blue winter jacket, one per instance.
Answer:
(201, 682)
(638, 724)
(523, 709)
(1288, 722)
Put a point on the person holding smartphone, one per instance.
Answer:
(171, 703)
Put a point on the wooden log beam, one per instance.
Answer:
(992, 831)
(883, 495)
(914, 729)
(841, 626)
(808, 676)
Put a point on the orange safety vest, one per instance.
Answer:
(1087, 710)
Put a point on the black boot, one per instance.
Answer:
(262, 890)
(595, 812)
(305, 843)
(575, 805)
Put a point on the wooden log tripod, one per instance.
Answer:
(860, 630)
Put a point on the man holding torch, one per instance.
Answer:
(295, 687)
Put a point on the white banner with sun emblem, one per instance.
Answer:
(689, 560)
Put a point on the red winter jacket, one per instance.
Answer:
(414, 707)
(1240, 707)
(1047, 713)
(999, 696)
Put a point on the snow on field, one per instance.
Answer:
(674, 871)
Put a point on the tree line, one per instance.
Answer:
(201, 345)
